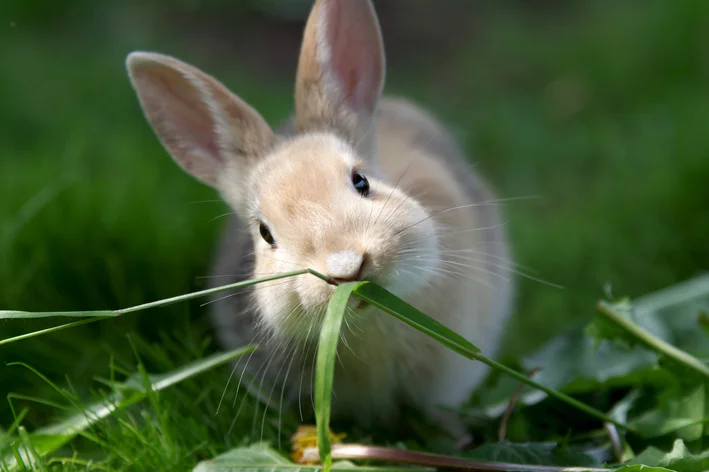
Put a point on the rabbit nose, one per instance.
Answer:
(345, 266)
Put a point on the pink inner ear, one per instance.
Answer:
(355, 51)
(190, 117)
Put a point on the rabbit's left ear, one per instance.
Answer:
(210, 132)
(341, 68)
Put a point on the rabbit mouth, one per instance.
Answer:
(356, 304)
(361, 305)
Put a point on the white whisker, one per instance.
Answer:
(461, 207)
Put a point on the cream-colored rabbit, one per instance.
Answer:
(357, 187)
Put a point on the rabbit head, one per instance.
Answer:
(315, 199)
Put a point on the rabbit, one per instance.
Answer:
(358, 186)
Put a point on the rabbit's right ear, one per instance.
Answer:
(341, 69)
(204, 127)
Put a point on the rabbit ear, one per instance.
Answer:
(205, 127)
(341, 68)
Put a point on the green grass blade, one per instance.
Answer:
(4, 435)
(209, 291)
(32, 454)
(166, 380)
(325, 366)
(26, 315)
(385, 300)
(47, 330)
(33, 399)
(101, 314)
(50, 438)
(390, 303)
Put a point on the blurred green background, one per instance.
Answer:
(598, 108)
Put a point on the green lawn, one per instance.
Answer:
(600, 112)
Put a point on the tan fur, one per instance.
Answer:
(428, 230)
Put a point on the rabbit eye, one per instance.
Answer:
(266, 234)
(360, 182)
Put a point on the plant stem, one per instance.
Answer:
(652, 341)
(103, 314)
(465, 348)
(615, 440)
(322, 277)
(400, 456)
(49, 330)
(551, 392)
(502, 430)
(209, 291)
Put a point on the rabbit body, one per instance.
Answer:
(384, 363)
(358, 187)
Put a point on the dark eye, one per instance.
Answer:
(360, 183)
(266, 234)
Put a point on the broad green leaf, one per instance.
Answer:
(50, 438)
(325, 367)
(651, 456)
(575, 363)
(571, 363)
(667, 351)
(261, 458)
(533, 454)
(679, 458)
(671, 314)
(601, 329)
(642, 468)
(683, 412)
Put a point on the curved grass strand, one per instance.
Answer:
(391, 304)
(27, 315)
(325, 366)
(102, 314)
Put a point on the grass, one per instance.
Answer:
(600, 110)
(678, 416)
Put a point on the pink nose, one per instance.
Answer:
(345, 266)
